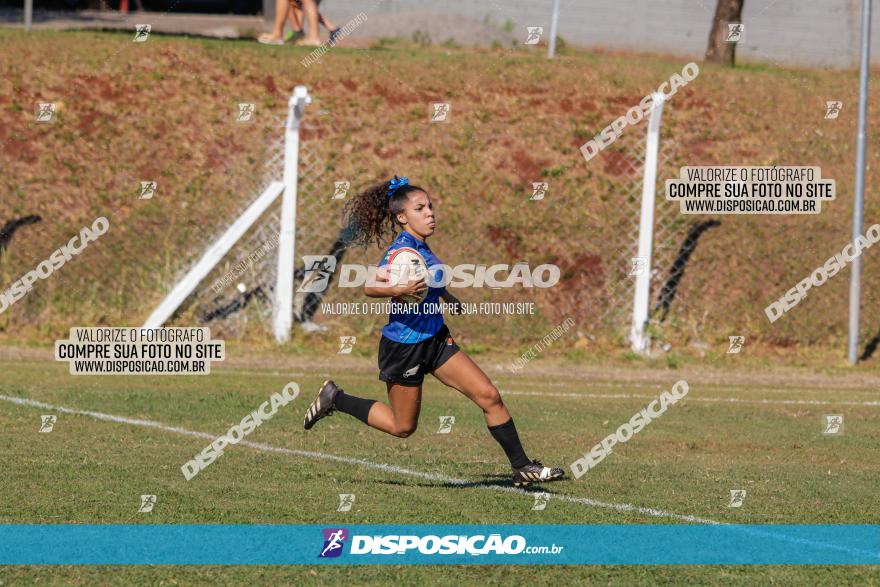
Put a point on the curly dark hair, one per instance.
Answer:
(372, 214)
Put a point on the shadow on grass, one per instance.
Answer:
(483, 481)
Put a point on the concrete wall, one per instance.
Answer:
(816, 33)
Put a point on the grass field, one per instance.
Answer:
(732, 431)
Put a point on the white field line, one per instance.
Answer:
(621, 507)
(358, 462)
(733, 400)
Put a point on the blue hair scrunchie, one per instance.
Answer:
(395, 184)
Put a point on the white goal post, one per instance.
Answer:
(638, 337)
(282, 308)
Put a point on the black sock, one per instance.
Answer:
(353, 406)
(507, 437)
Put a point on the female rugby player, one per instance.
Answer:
(415, 343)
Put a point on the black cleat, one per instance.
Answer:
(535, 472)
(323, 404)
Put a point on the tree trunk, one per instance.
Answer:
(720, 50)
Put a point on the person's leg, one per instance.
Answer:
(399, 419)
(294, 18)
(326, 22)
(335, 32)
(281, 7)
(461, 373)
(275, 37)
(311, 12)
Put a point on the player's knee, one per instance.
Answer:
(405, 430)
(490, 397)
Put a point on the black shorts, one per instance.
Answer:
(406, 364)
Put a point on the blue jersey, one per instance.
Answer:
(413, 327)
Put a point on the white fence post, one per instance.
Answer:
(212, 256)
(554, 23)
(283, 320)
(640, 341)
(28, 14)
(855, 281)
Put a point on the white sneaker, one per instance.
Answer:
(268, 39)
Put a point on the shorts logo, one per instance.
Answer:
(449, 341)
(334, 538)
(411, 372)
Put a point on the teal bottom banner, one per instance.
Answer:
(357, 544)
